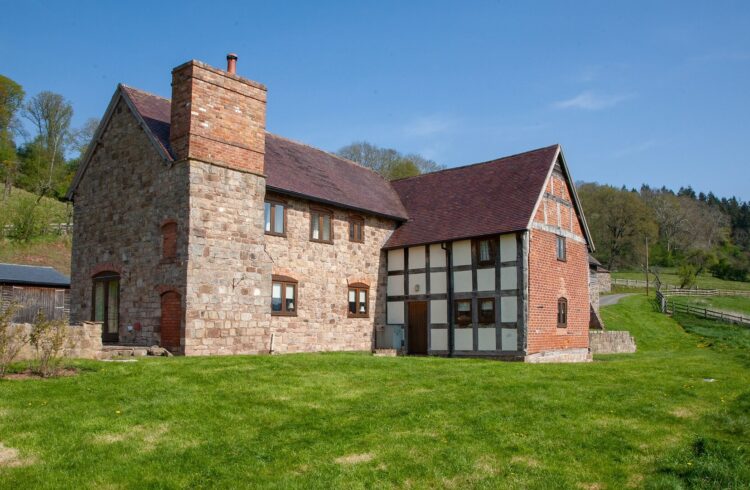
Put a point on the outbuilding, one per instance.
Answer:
(34, 288)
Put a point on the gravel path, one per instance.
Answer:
(612, 299)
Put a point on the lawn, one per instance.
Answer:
(357, 421)
(669, 276)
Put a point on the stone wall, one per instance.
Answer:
(84, 342)
(228, 299)
(125, 196)
(604, 280)
(611, 342)
(551, 279)
(324, 272)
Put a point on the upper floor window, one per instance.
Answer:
(485, 251)
(275, 218)
(169, 240)
(486, 310)
(356, 229)
(462, 309)
(358, 305)
(561, 248)
(283, 296)
(321, 225)
(562, 313)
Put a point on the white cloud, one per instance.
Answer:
(592, 101)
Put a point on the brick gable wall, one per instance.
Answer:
(551, 279)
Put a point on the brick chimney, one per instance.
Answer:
(218, 117)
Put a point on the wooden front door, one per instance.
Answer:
(417, 327)
(171, 315)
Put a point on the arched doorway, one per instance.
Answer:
(171, 316)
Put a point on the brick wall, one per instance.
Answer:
(551, 279)
(324, 272)
(125, 196)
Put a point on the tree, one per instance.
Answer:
(51, 115)
(388, 162)
(11, 100)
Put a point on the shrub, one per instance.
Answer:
(687, 275)
(12, 338)
(48, 338)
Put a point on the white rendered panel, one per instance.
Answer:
(439, 311)
(439, 339)
(395, 313)
(507, 247)
(417, 258)
(487, 339)
(509, 339)
(464, 339)
(395, 285)
(486, 279)
(462, 253)
(437, 256)
(508, 278)
(508, 309)
(438, 283)
(417, 284)
(462, 281)
(396, 259)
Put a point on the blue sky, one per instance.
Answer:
(655, 92)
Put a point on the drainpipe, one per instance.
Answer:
(448, 247)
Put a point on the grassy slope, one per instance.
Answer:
(627, 420)
(669, 276)
(735, 304)
(50, 250)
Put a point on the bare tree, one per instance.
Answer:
(388, 162)
(51, 115)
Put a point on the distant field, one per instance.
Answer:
(669, 276)
(731, 304)
(53, 252)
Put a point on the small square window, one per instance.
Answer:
(462, 311)
(321, 222)
(358, 306)
(283, 297)
(561, 252)
(356, 229)
(485, 250)
(486, 310)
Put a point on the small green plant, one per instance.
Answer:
(687, 275)
(12, 338)
(48, 338)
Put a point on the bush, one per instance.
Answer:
(687, 275)
(12, 338)
(48, 337)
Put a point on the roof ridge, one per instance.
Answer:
(460, 167)
(338, 157)
(145, 92)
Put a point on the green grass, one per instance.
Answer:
(735, 304)
(53, 251)
(641, 420)
(669, 276)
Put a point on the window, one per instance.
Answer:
(356, 229)
(283, 296)
(106, 303)
(561, 248)
(463, 311)
(485, 250)
(169, 240)
(562, 313)
(275, 218)
(358, 305)
(486, 310)
(321, 229)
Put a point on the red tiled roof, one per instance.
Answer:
(488, 198)
(294, 168)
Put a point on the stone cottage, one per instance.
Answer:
(198, 230)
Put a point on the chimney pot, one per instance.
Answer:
(232, 63)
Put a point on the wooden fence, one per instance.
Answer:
(672, 290)
(56, 228)
(670, 306)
